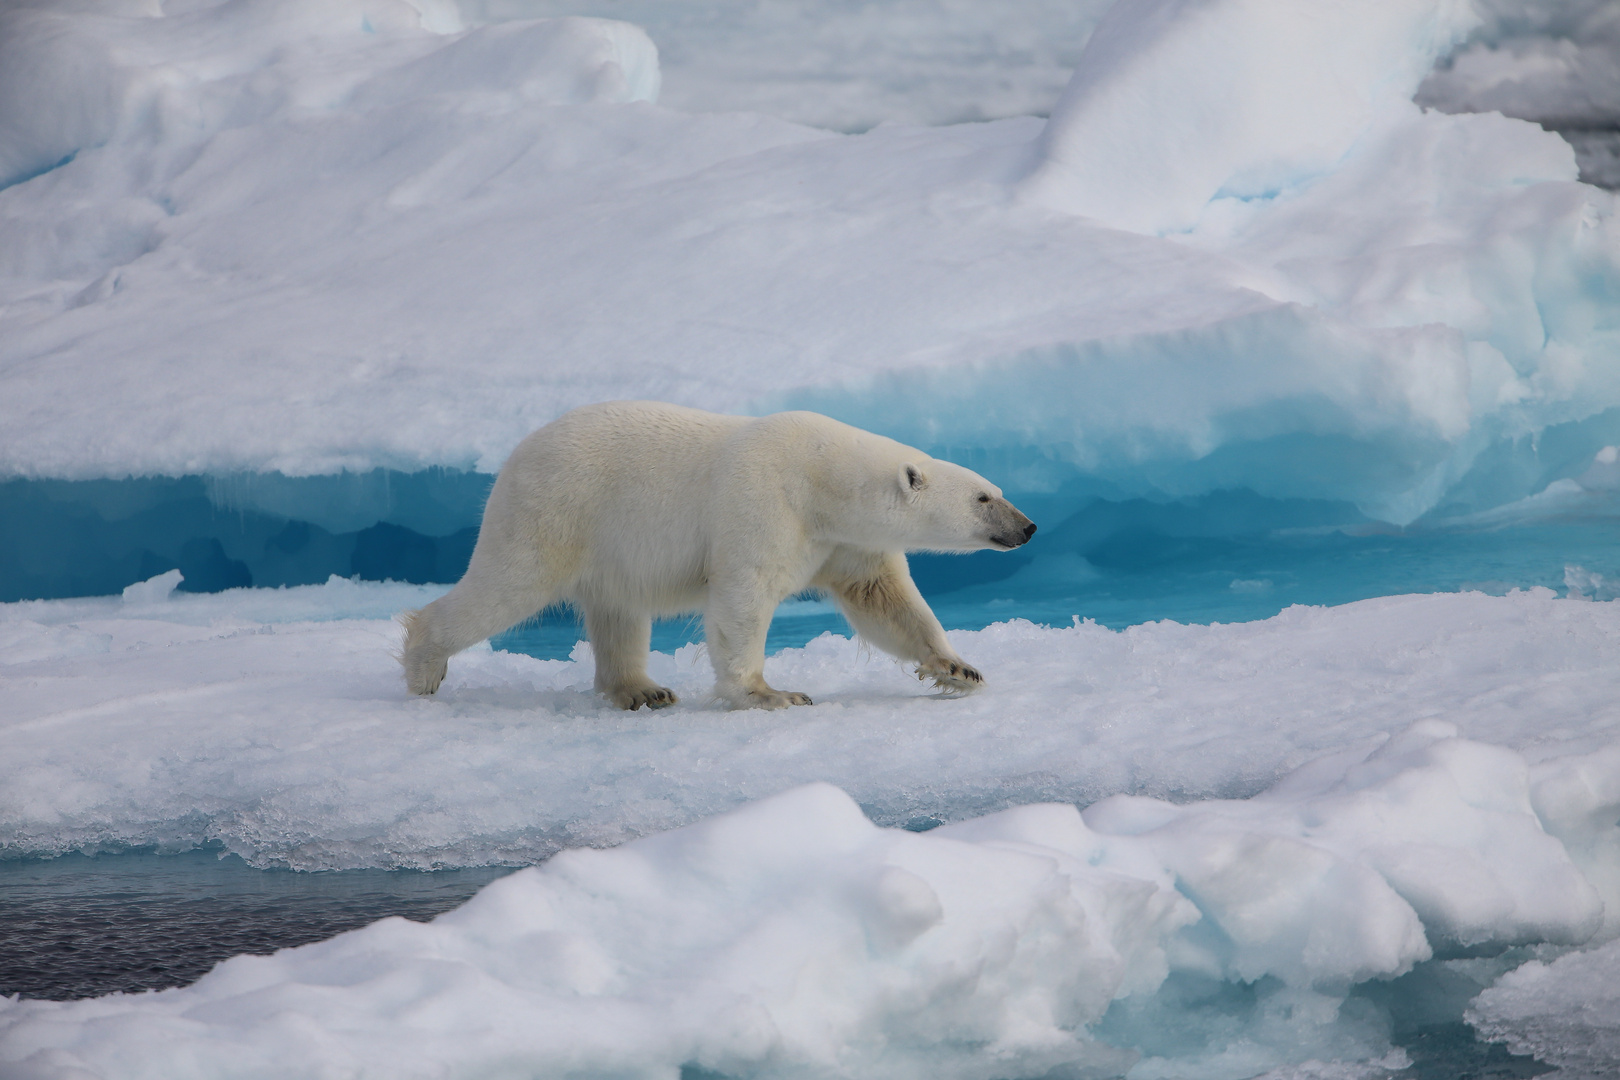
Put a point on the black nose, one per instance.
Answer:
(1029, 531)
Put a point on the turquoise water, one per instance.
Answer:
(1139, 577)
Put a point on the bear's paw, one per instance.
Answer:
(951, 677)
(775, 699)
(634, 697)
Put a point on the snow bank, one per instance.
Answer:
(286, 244)
(792, 937)
(275, 722)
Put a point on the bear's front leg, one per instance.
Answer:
(620, 642)
(882, 603)
(734, 627)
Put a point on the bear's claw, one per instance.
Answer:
(951, 676)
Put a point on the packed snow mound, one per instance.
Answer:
(276, 241)
(275, 722)
(75, 79)
(793, 937)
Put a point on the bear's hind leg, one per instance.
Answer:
(621, 641)
(464, 616)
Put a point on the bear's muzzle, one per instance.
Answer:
(1013, 529)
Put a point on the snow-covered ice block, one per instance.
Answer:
(1578, 801)
(791, 937)
(1359, 865)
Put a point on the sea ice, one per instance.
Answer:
(275, 722)
(1566, 1013)
(792, 937)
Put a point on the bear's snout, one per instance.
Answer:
(1009, 527)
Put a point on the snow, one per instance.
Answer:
(793, 937)
(289, 245)
(276, 722)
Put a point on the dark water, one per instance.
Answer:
(1452, 1052)
(79, 927)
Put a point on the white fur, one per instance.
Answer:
(634, 510)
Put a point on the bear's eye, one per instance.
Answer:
(984, 498)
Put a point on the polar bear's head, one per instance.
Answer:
(944, 507)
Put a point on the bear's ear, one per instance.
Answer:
(911, 481)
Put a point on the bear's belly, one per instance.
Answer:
(655, 586)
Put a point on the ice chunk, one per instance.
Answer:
(154, 590)
(1174, 102)
(1566, 1013)
(1577, 799)
(74, 81)
(1349, 870)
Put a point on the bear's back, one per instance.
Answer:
(620, 491)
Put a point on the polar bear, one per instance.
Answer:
(630, 510)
